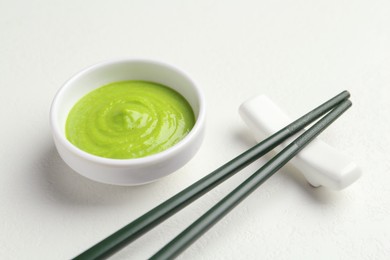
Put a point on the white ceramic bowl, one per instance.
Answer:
(127, 171)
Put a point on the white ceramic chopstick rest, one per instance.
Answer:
(320, 163)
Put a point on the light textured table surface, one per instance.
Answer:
(300, 53)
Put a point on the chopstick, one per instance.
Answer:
(149, 220)
(211, 217)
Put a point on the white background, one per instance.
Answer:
(300, 53)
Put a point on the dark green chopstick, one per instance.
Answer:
(143, 224)
(211, 217)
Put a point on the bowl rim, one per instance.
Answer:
(59, 135)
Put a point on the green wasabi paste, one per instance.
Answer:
(129, 119)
